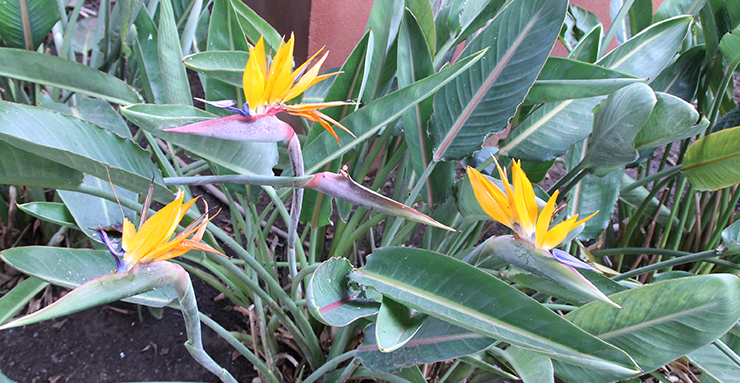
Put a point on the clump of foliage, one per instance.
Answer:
(401, 274)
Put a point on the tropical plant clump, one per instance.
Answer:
(388, 267)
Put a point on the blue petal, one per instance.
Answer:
(569, 260)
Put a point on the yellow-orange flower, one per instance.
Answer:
(151, 243)
(268, 85)
(516, 207)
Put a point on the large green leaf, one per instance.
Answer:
(682, 77)
(26, 23)
(596, 194)
(470, 298)
(551, 129)
(714, 363)
(623, 114)
(253, 26)
(415, 63)
(61, 73)
(634, 197)
(224, 33)
(395, 325)
(670, 8)
(17, 298)
(332, 300)
(481, 101)
(80, 145)
(384, 21)
(90, 212)
(54, 212)
(368, 120)
(530, 366)
(146, 52)
(565, 79)
(436, 340)
(20, 167)
(95, 110)
(239, 156)
(660, 322)
(72, 267)
(226, 66)
(174, 78)
(673, 119)
(713, 161)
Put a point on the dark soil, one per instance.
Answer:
(112, 344)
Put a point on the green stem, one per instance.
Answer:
(727, 351)
(566, 178)
(653, 177)
(239, 347)
(638, 251)
(668, 263)
(329, 366)
(241, 179)
(410, 200)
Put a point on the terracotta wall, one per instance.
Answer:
(338, 25)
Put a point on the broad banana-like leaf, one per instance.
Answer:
(226, 66)
(17, 298)
(395, 325)
(436, 340)
(456, 292)
(623, 114)
(655, 330)
(26, 23)
(54, 212)
(565, 79)
(713, 161)
(332, 300)
(551, 130)
(65, 74)
(530, 366)
(673, 119)
(20, 167)
(481, 101)
(80, 145)
(716, 365)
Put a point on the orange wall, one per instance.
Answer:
(339, 25)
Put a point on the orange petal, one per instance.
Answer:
(525, 204)
(491, 199)
(543, 221)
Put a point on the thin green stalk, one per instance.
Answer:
(69, 29)
(668, 263)
(555, 306)
(638, 251)
(614, 26)
(653, 177)
(729, 209)
(674, 210)
(329, 366)
(410, 200)
(572, 184)
(340, 341)
(637, 218)
(566, 178)
(449, 371)
(241, 179)
(348, 240)
(239, 347)
(730, 353)
(300, 276)
(687, 205)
